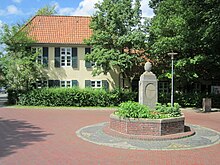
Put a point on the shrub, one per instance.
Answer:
(132, 109)
(193, 99)
(74, 97)
(215, 100)
(122, 95)
(13, 96)
(184, 99)
(169, 110)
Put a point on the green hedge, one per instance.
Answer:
(190, 99)
(75, 97)
(183, 99)
(91, 97)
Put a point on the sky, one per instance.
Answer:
(17, 11)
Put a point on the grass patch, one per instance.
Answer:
(61, 107)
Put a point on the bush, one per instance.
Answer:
(190, 99)
(132, 109)
(122, 95)
(74, 97)
(169, 110)
(13, 96)
(184, 99)
(215, 100)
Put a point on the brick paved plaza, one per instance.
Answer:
(41, 137)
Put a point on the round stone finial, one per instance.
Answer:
(148, 66)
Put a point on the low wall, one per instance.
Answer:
(153, 127)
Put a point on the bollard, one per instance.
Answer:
(206, 104)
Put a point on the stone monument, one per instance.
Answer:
(207, 104)
(148, 87)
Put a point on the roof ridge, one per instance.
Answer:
(62, 16)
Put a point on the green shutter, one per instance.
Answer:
(45, 56)
(56, 83)
(45, 83)
(57, 57)
(50, 83)
(75, 83)
(105, 84)
(87, 83)
(87, 50)
(74, 58)
(88, 63)
(53, 83)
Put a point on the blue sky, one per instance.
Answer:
(17, 11)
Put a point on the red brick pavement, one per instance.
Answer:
(47, 137)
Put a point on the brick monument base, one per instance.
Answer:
(153, 127)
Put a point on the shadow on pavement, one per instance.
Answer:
(16, 134)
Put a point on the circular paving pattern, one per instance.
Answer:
(203, 137)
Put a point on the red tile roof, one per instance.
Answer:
(60, 29)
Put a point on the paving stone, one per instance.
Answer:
(47, 137)
(203, 137)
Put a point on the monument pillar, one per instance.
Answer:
(148, 87)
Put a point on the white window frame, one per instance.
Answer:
(66, 56)
(96, 83)
(38, 50)
(65, 83)
(163, 86)
(93, 64)
(40, 82)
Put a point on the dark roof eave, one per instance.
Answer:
(59, 44)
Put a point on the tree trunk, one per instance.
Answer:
(126, 81)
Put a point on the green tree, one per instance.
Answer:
(191, 28)
(47, 10)
(118, 34)
(18, 64)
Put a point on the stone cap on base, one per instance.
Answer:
(164, 120)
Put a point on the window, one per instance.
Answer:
(42, 83)
(39, 51)
(66, 56)
(164, 87)
(93, 64)
(65, 84)
(89, 64)
(96, 84)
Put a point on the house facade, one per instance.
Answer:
(59, 43)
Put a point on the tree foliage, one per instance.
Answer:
(18, 63)
(47, 10)
(192, 29)
(118, 33)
